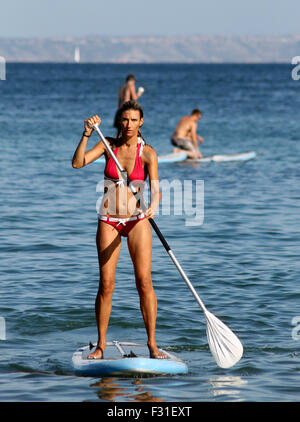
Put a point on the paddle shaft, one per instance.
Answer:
(152, 222)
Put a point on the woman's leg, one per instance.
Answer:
(108, 245)
(140, 249)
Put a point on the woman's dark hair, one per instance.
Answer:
(129, 105)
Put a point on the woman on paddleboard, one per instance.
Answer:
(119, 216)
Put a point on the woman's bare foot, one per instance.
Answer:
(155, 353)
(98, 353)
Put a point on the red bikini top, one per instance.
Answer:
(138, 173)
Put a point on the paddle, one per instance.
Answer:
(225, 347)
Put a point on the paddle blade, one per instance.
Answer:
(224, 345)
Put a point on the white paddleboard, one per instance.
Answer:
(173, 157)
(167, 158)
(125, 358)
(244, 156)
(182, 156)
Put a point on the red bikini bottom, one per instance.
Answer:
(123, 225)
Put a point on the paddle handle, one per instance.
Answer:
(152, 222)
(107, 146)
(159, 235)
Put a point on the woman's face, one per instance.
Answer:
(131, 123)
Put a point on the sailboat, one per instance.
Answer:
(77, 55)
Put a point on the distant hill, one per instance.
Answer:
(188, 49)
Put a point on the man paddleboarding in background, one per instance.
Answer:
(127, 93)
(185, 135)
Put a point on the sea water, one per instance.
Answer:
(242, 257)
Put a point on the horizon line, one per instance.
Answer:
(30, 37)
(145, 63)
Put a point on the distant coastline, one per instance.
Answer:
(156, 49)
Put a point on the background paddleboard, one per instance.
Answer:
(173, 157)
(125, 358)
(244, 156)
(167, 158)
(217, 158)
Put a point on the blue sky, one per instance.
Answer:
(44, 18)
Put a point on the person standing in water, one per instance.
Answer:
(127, 93)
(185, 135)
(118, 218)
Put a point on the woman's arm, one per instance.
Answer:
(81, 158)
(151, 161)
